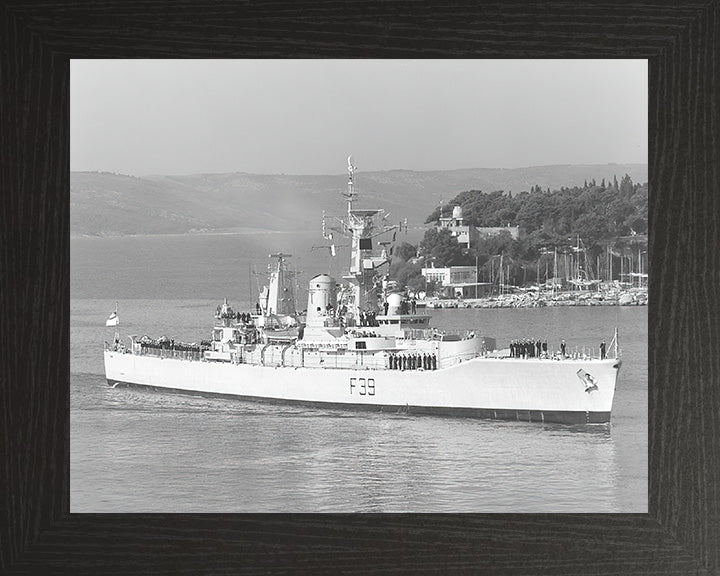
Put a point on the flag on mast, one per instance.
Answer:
(113, 319)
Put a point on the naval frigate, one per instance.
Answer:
(362, 344)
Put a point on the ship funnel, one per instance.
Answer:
(321, 301)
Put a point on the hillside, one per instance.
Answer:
(106, 204)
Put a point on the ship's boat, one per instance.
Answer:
(362, 344)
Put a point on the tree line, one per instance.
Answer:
(596, 216)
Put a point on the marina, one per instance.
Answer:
(611, 296)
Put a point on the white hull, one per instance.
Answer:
(507, 388)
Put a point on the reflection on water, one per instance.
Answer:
(139, 450)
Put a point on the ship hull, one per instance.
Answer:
(516, 389)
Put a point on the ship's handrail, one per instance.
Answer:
(295, 357)
(169, 353)
(289, 356)
(435, 334)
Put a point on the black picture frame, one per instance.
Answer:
(680, 534)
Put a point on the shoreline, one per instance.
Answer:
(629, 297)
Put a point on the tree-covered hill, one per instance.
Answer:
(102, 203)
(595, 211)
(598, 217)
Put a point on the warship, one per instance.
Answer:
(363, 344)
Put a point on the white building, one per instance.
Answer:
(469, 235)
(456, 281)
(450, 275)
(466, 235)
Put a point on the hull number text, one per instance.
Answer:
(362, 386)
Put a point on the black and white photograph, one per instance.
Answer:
(359, 286)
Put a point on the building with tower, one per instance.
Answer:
(469, 235)
(465, 234)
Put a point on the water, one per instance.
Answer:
(142, 451)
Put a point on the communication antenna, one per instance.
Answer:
(350, 194)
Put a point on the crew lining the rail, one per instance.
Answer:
(412, 361)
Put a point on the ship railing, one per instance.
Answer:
(194, 355)
(435, 334)
(295, 357)
(584, 353)
(417, 333)
(116, 347)
(587, 353)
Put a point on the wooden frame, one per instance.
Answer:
(681, 533)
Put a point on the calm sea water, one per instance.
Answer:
(143, 451)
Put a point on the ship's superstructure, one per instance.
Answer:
(361, 345)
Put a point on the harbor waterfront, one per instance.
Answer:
(134, 450)
(603, 297)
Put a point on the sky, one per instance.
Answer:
(173, 117)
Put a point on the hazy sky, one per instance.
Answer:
(306, 116)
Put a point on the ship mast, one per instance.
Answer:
(350, 194)
(362, 226)
(280, 295)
